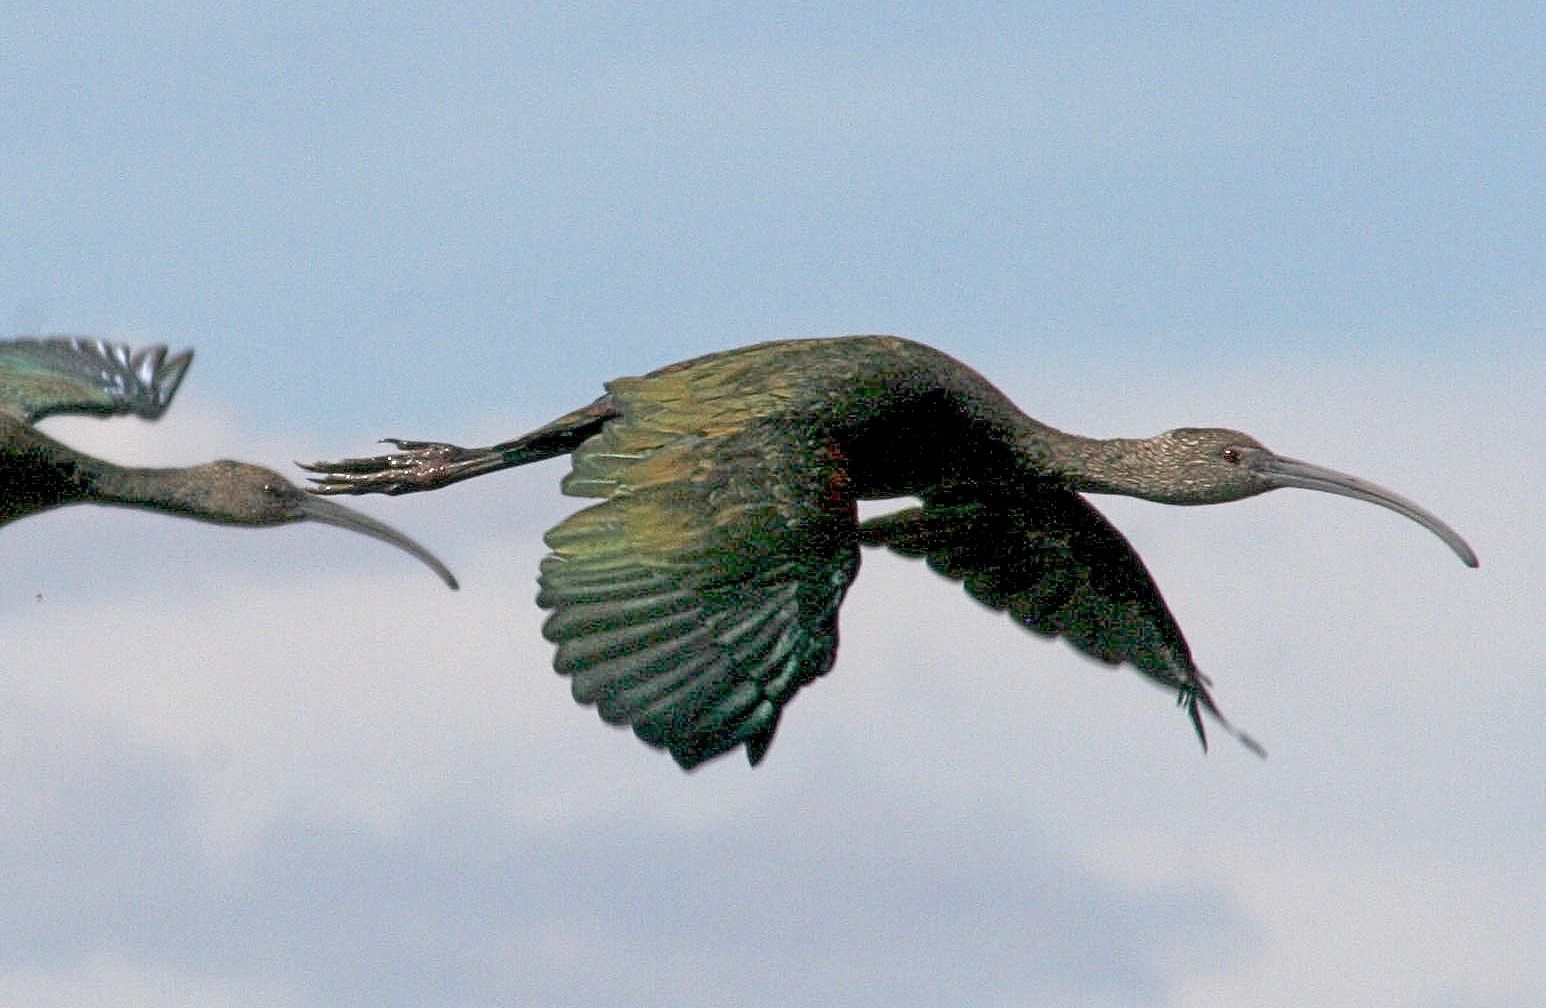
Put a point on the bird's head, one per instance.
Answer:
(239, 493)
(1197, 465)
(1212, 465)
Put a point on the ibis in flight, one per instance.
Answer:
(40, 377)
(702, 592)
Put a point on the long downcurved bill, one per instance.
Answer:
(1287, 472)
(319, 509)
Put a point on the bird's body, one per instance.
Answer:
(703, 591)
(40, 377)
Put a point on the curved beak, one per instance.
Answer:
(320, 509)
(1287, 472)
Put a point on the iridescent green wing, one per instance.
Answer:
(702, 593)
(67, 374)
(1056, 565)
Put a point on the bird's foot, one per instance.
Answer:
(420, 465)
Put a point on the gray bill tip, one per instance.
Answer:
(1288, 472)
(328, 512)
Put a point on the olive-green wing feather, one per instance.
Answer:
(69, 374)
(1056, 565)
(703, 592)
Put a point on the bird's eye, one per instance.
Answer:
(1231, 455)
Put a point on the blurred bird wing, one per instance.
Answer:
(67, 374)
(1056, 565)
(702, 593)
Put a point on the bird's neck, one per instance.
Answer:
(165, 490)
(1098, 465)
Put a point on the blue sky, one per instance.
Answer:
(284, 768)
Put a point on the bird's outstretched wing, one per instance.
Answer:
(1056, 565)
(40, 376)
(703, 592)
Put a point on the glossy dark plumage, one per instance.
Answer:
(42, 377)
(702, 593)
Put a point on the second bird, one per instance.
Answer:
(41, 377)
(703, 591)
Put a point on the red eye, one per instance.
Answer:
(1232, 455)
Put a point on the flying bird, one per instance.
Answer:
(702, 593)
(40, 377)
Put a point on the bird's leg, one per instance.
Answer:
(420, 465)
(429, 465)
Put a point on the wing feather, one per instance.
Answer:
(1059, 568)
(41, 376)
(697, 598)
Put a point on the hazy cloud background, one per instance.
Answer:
(285, 768)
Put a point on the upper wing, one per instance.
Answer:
(69, 374)
(703, 592)
(1057, 566)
